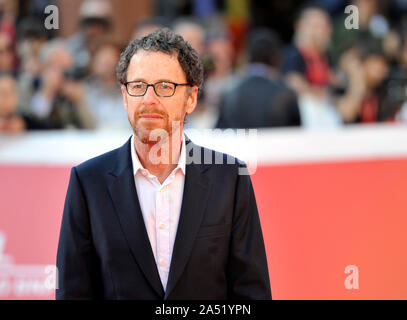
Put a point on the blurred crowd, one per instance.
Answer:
(325, 75)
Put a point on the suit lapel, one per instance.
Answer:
(124, 195)
(197, 188)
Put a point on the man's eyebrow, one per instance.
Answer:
(159, 80)
(165, 80)
(137, 79)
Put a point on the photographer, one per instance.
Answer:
(60, 98)
(370, 94)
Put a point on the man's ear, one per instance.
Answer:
(192, 99)
(124, 94)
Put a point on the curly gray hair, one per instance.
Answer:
(166, 41)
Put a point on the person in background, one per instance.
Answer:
(398, 73)
(59, 98)
(8, 19)
(368, 99)
(260, 99)
(306, 65)
(307, 69)
(373, 26)
(101, 91)
(6, 54)
(194, 32)
(11, 120)
(217, 58)
(95, 23)
(219, 48)
(32, 37)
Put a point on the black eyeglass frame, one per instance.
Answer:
(153, 85)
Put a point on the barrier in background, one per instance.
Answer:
(332, 203)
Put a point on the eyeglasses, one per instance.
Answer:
(161, 89)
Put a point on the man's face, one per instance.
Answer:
(104, 62)
(315, 25)
(150, 111)
(376, 69)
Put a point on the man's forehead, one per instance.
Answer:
(143, 55)
(155, 64)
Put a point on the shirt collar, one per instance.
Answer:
(138, 166)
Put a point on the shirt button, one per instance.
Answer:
(162, 226)
(162, 263)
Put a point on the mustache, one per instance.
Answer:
(149, 110)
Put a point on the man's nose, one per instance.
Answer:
(150, 97)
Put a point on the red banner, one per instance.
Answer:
(333, 230)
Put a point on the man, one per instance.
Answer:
(12, 119)
(260, 99)
(137, 228)
(95, 22)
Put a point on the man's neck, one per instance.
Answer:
(160, 158)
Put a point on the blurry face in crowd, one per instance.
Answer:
(194, 34)
(60, 58)
(94, 31)
(9, 6)
(376, 70)
(8, 96)
(56, 64)
(150, 111)
(6, 54)
(221, 50)
(315, 28)
(104, 63)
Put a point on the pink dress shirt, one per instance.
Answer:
(161, 206)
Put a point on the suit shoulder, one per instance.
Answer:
(99, 163)
(217, 160)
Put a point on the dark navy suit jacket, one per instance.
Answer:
(104, 251)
